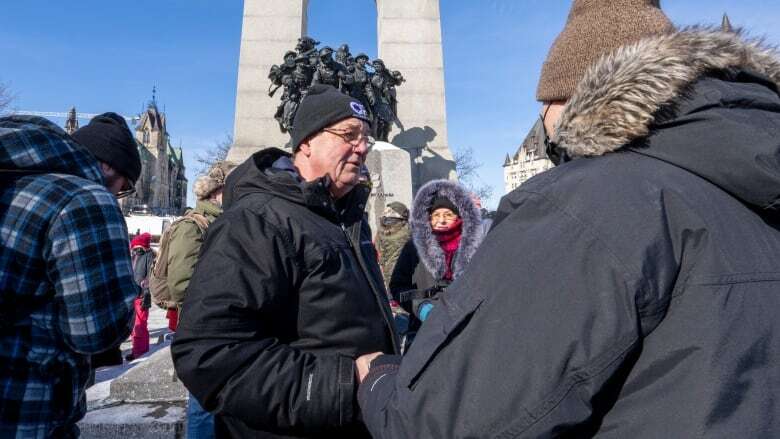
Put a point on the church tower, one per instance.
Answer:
(72, 123)
(725, 25)
(152, 133)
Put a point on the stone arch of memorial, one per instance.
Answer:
(409, 40)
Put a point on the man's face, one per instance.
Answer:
(116, 183)
(332, 154)
(551, 112)
(361, 62)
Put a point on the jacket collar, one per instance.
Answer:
(207, 208)
(258, 174)
(620, 96)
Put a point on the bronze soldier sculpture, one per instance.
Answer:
(343, 56)
(358, 82)
(384, 102)
(307, 65)
(306, 48)
(277, 73)
(328, 71)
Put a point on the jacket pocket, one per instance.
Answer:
(443, 324)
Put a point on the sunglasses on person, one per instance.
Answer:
(127, 190)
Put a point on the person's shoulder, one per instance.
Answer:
(623, 173)
(184, 227)
(83, 194)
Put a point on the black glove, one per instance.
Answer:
(110, 357)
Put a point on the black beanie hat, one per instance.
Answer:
(443, 202)
(323, 106)
(109, 139)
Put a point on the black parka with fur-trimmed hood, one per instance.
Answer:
(631, 292)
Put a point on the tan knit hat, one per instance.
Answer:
(595, 28)
(205, 185)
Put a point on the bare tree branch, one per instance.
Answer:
(212, 155)
(466, 166)
(6, 97)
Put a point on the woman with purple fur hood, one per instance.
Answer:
(446, 230)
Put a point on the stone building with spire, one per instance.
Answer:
(72, 122)
(529, 159)
(162, 186)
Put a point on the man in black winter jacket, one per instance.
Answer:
(632, 291)
(287, 291)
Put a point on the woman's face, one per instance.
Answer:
(442, 218)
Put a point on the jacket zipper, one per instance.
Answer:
(364, 269)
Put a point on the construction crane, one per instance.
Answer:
(65, 115)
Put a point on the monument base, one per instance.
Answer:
(391, 180)
(147, 401)
(160, 420)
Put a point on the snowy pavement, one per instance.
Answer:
(158, 327)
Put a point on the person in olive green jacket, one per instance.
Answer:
(184, 247)
(187, 237)
(392, 236)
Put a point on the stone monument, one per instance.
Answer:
(409, 38)
(391, 173)
(147, 401)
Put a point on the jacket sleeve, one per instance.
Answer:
(184, 246)
(538, 333)
(89, 264)
(402, 277)
(225, 351)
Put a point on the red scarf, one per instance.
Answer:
(449, 240)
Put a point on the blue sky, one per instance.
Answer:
(106, 56)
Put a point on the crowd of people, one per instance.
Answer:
(629, 291)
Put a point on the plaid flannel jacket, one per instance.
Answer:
(66, 282)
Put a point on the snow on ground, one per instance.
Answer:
(158, 328)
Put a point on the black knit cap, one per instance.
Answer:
(109, 139)
(323, 106)
(443, 202)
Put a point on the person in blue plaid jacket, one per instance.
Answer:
(66, 282)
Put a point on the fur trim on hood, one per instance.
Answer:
(428, 248)
(214, 179)
(623, 93)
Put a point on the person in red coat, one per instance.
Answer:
(143, 260)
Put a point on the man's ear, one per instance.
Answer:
(305, 148)
(106, 169)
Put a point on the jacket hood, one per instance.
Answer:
(701, 99)
(428, 248)
(35, 144)
(257, 175)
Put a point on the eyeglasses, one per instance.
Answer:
(443, 216)
(127, 190)
(352, 137)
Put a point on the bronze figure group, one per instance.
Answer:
(307, 65)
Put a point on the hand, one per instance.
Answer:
(363, 363)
